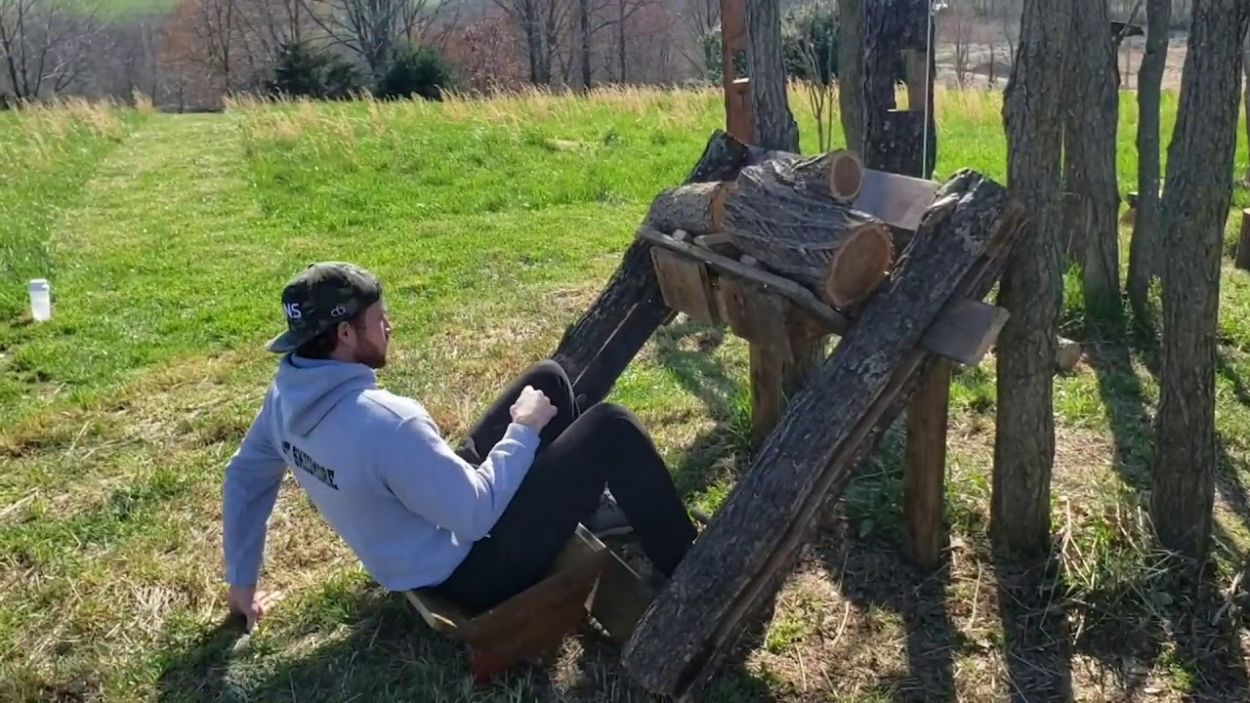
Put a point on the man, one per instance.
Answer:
(481, 523)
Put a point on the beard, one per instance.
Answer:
(371, 355)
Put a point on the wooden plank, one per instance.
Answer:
(684, 285)
(742, 555)
(739, 114)
(924, 470)
(963, 332)
(899, 201)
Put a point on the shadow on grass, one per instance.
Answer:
(874, 574)
(364, 644)
(1037, 640)
(685, 351)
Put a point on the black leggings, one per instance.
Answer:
(579, 454)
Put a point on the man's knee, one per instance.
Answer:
(548, 368)
(611, 420)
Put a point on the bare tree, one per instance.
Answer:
(1142, 261)
(700, 19)
(374, 29)
(543, 22)
(1195, 208)
(960, 25)
(1024, 448)
(44, 45)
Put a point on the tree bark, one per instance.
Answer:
(1195, 209)
(829, 247)
(1024, 447)
(1091, 112)
(810, 456)
(595, 350)
(1147, 236)
(851, 72)
(775, 127)
(1245, 64)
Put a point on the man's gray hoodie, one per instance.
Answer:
(377, 469)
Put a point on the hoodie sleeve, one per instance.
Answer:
(433, 481)
(253, 477)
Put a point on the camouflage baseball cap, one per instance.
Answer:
(320, 297)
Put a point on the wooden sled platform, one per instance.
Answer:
(529, 627)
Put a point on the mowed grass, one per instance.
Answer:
(493, 225)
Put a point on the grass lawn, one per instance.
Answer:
(493, 225)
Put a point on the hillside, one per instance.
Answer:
(493, 224)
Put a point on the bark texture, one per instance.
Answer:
(851, 72)
(1144, 247)
(1091, 112)
(1195, 209)
(775, 127)
(1024, 447)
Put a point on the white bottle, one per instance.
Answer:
(40, 299)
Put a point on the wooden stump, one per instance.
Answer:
(696, 208)
(1242, 260)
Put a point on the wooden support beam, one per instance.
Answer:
(739, 114)
(925, 468)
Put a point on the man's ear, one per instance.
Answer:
(345, 333)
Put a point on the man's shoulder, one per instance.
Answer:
(391, 405)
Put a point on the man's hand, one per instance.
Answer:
(533, 409)
(250, 603)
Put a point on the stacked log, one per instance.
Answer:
(778, 215)
(791, 214)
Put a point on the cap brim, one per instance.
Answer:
(288, 341)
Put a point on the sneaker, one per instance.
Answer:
(608, 520)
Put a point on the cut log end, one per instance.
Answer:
(846, 175)
(859, 266)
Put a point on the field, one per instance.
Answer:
(493, 225)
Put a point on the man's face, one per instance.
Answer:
(372, 334)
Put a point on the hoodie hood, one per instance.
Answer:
(305, 390)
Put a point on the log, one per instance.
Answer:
(696, 208)
(838, 174)
(1243, 245)
(841, 253)
(595, 350)
(827, 428)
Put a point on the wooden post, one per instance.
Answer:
(925, 469)
(739, 117)
(1243, 245)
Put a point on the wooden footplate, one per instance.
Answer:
(529, 627)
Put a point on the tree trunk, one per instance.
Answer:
(810, 456)
(1147, 236)
(774, 124)
(1091, 111)
(1195, 209)
(583, 17)
(1024, 447)
(851, 72)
